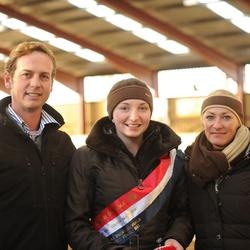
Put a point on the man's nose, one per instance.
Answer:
(35, 81)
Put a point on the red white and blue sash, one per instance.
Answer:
(127, 214)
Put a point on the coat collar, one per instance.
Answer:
(51, 111)
(158, 138)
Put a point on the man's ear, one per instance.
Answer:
(51, 87)
(7, 80)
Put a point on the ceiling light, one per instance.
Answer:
(227, 11)
(129, 24)
(195, 2)
(83, 4)
(37, 33)
(90, 55)
(2, 57)
(13, 23)
(224, 10)
(173, 47)
(2, 28)
(100, 11)
(149, 35)
(64, 44)
(3, 17)
(242, 23)
(123, 22)
(43, 35)
(189, 2)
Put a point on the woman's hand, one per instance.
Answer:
(174, 243)
(165, 248)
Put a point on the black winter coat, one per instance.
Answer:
(221, 209)
(104, 170)
(32, 185)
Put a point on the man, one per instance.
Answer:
(34, 154)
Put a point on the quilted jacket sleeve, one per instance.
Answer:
(80, 195)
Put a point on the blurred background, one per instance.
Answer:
(182, 49)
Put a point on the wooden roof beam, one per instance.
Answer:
(229, 65)
(244, 3)
(121, 63)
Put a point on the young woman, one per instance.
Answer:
(219, 176)
(127, 188)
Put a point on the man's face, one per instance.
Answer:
(31, 83)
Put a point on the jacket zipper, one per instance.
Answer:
(140, 184)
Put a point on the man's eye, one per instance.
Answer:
(45, 77)
(26, 74)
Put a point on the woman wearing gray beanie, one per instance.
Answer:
(127, 188)
(218, 166)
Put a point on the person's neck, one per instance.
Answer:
(30, 118)
(132, 144)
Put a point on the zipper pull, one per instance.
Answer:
(159, 242)
(140, 185)
(217, 184)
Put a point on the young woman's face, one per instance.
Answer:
(131, 118)
(220, 126)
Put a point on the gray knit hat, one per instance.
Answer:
(131, 88)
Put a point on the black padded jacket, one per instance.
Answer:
(32, 185)
(104, 170)
(220, 209)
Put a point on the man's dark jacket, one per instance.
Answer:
(32, 185)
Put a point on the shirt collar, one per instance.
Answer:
(45, 119)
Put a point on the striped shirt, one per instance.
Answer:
(45, 119)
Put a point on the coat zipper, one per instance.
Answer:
(140, 184)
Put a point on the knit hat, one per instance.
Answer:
(131, 88)
(224, 99)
